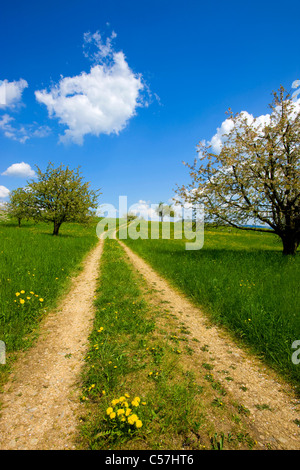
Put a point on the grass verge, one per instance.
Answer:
(35, 269)
(242, 281)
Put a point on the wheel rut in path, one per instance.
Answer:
(272, 403)
(41, 400)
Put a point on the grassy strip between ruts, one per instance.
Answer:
(140, 386)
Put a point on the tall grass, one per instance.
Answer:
(242, 281)
(35, 268)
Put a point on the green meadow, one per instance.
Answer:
(241, 280)
(140, 385)
(35, 269)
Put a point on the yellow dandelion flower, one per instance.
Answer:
(22, 292)
(28, 298)
(17, 294)
(32, 293)
(115, 402)
(112, 415)
(22, 301)
(138, 423)
(132, 419)
(109, 411)
(128, 411)
(41, 300)
(120, 412)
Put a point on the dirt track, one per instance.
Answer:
(40, 402)
(274, 424)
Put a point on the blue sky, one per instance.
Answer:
(134, 86)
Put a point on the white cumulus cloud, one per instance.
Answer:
(144, 210)
(21, 170)
(101, 101)
(220, 136)
(11, 92)
(103, 51)
(4, 192)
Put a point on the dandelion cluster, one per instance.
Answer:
(155, 375)
(123, 412)
(177, 351)
(30, 295)
(247, 284)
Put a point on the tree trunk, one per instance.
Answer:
(290, 244)
(56, 227)
(19, 221)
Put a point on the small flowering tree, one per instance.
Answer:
(20, 205)
(164, 210)
(254, 182)
(60, 195)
